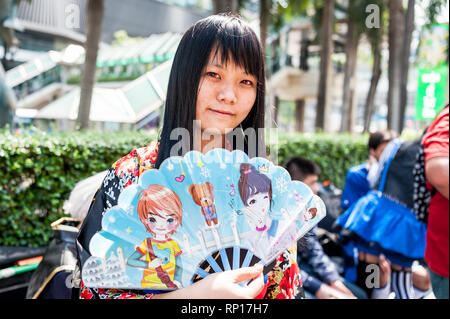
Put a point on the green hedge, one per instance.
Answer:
(38, 171)
(334, 154)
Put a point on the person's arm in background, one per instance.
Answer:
(320, 289)
(310, 283)
(437, 173)
(311, 252)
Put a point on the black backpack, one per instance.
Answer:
(406, 181)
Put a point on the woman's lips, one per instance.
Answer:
(221, 112)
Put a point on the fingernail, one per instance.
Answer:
(266, 279)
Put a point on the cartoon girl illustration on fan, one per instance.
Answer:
(160, 210)
(255, 190)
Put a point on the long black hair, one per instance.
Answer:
(232, 38)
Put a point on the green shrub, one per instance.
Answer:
(38, 171)
(334, 154)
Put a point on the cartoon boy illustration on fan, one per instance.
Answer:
(160, 210)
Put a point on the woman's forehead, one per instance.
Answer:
(219, 59)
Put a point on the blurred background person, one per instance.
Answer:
(320, 275)
(389, 166)
(436, 148)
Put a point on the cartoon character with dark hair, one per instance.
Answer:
(202, 194)
(255, 190)
(160, 210)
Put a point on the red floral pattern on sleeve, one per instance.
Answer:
(137, 161)
(284, 280)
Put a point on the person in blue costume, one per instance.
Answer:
(378, 226)
(357, 185)
(357, 182)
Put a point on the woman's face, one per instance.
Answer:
(226, 94)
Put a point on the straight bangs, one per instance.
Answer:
(238, 42)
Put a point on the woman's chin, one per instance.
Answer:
(218, 131)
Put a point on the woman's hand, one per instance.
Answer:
(224, 285)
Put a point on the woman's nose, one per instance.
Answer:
(227, 94)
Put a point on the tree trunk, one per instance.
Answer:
(409, 27)
(264, 19)
(376, 74)
(7, 101)
(304, 53)
(276, 109)
(300, 104)
(224, 6)
(326, 49)
(396, 36)
(275, 65)
(94, 24)
(299, 115)
(349, 100)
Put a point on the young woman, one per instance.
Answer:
(216, 86)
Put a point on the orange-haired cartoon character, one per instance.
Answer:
(160, 210)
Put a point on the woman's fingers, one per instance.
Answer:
(246, 273)
(255, 286)
(254, 275)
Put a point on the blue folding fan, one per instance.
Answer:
(197, 215)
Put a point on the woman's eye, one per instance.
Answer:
(247, 82)
(265, 197)
(252, 202)
(213, 75)
(170, 221)
(152, 220)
